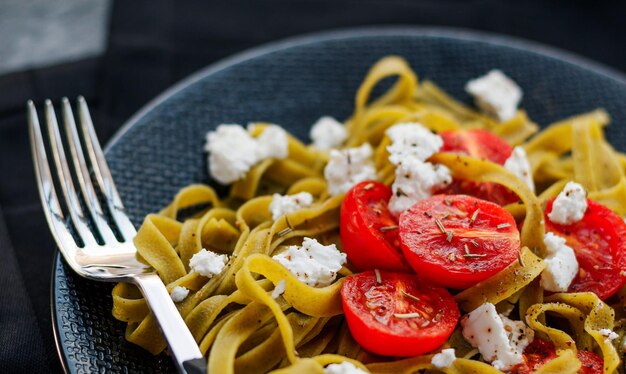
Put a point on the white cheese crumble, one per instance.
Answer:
(272, 143)
(279, 289)
(411, 145)
(499, 340)
(208, 263)
(343, 368)
(415, 181)
(570, 205)
(328, 133)
(349, 167)
(443, 359)
(412, 140)
(313, 263)
(609, 334)
(561, 264)
(518, 164)
(496, 94)
(179, 294)
(233, 151)
(282, 205)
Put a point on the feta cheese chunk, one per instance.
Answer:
(233, 151)
(328, 133)
(288, 204)
(412, 140)
(499, 340)
(349, 167)
(272, 143)
(415, 181)
(609, 334)
(208, 263)
(313, 263)
(179, 294)
(279, 289)
(570, 205)
(561, 265)
(518, 164)
(443, 359)
(496, 94)
(343, 368)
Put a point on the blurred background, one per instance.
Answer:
(120, 54)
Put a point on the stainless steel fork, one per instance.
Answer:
(110, 259)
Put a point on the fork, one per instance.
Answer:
(109, 259)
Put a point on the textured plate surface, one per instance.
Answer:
(293, 83)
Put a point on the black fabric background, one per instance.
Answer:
(154, 43)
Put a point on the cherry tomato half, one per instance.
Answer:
(484, 145)
(458, 240)
(398, 316)
(599, 242)
(369, 232)
(540, 352)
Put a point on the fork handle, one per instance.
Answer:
(182, 344)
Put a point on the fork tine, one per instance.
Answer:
(80, 166)
(65, 178)
(103, 174)
(47, 192)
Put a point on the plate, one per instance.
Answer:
(292, 83)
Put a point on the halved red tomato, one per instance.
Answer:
(599, 241)
(540, 352)
(484, 145)
(458, 240)
(397, 314)
(369, 232)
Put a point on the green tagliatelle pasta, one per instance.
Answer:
(243, 329)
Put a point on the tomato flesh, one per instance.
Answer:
(400, 316)
(540, 352)
(480, 239)
(483, 145)
(368, 230)
(599, 242)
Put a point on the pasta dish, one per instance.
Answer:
(418, 234)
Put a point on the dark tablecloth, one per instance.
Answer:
(154, 43)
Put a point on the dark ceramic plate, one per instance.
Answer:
(292, 83)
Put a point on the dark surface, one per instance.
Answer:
(152, 44)
(293, 84)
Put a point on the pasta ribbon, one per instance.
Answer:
(503, 284)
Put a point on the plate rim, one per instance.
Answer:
(464, 34)
(458, 33)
